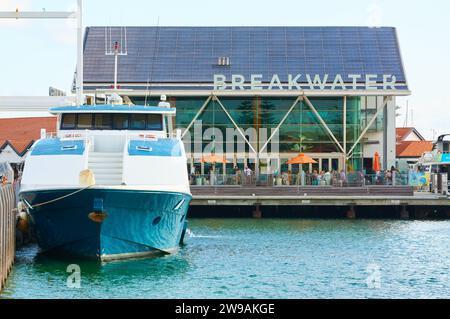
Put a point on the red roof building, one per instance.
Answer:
(19, 134)
(410, 144)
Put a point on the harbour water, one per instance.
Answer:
(267, 258)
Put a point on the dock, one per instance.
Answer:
(7, 231)
(314, 201)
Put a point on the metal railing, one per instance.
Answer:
(354, 179)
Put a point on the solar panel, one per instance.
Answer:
(190, 54)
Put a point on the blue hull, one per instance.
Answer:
(107, 224)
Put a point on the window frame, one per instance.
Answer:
(113, 127)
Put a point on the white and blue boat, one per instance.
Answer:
(110, 184)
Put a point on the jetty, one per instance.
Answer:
(7, 231)
(348, 201)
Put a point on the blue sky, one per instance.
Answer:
(37, 54)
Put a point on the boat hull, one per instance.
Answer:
(107, 224)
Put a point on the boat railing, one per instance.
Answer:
(152, 136)
(51, 135)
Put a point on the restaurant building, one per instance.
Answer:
(261, 95)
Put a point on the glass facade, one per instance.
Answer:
(258, 117)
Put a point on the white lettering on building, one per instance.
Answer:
(313, 82)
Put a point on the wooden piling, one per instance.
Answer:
(404, 213)
(351, 214)
(257, 213)
(7, 231)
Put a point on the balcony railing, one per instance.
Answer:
(355, 179)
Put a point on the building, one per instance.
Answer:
(21, 121)
(261, 95)
(17, 135)
(410, 147)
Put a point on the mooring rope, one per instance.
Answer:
(56, 199)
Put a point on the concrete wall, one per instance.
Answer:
(386, 138)
(391, 135)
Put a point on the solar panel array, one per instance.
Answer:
(190, 54)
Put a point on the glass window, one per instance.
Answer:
(137, 121)
(120, 121)
(335, 164)
(154, 122)
(84, 121)
(68, 121)
(103, 121)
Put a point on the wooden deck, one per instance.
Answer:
(7, 231)
(397, 198)
(283, 191)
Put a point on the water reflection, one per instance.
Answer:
(260, 259)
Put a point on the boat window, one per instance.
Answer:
(109, 121)
(84, 121)
(103, 122)
(68, 121)
(120, 121)
(137, 121)
(154, 122)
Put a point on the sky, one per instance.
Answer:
(36, 54)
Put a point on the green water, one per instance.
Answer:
(262, 259)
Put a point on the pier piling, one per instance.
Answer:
(351, 213)
(7, 231)
(257, 213)
(404, 213)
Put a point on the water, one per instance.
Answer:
(263, 259)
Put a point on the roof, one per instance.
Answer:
(109, 108)
(190, 54)
(21, 133)
(413, 148)
(403, 132)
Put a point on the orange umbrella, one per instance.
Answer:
(213, 159)
(301, 159)
(376, 162)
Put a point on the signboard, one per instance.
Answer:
(445, 158)
(419, 179)
(257, 82)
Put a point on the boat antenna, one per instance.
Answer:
(150, 75)
(116, 48)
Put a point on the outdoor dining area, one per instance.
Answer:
(302, 177)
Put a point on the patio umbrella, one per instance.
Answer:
(376, 162)
(301, 159)
(213, 159)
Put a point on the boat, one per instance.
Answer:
(111, 183)
(436, 166)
